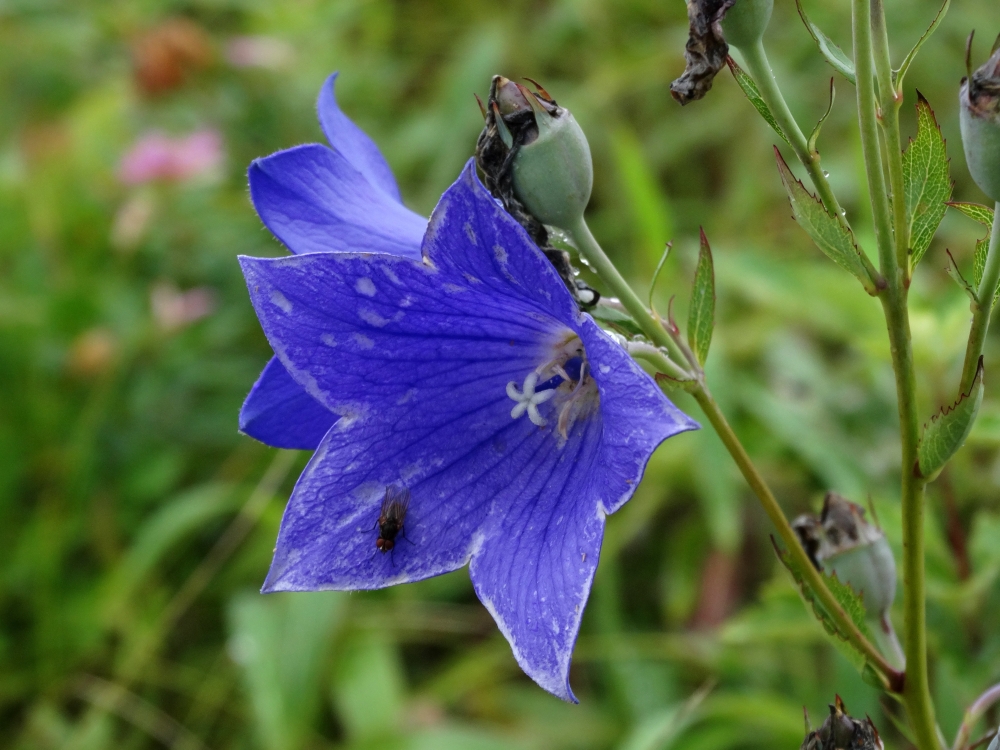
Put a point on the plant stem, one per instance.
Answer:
(973, 714)
(760, 70)
(890, 101)
(814, 579)
(916, 692)
(983, 307)
(593, 253)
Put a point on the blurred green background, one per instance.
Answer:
(136, 524)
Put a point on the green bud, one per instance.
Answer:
(979, 98)
(841, 542)
(534, 159)
(744, 24)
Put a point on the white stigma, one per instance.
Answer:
(526, 400)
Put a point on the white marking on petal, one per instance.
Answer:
(365, 286)
(372, 318)
(328, 339)
(281, 301)
(406, 396)
(605, 369)
(363, 341)
(391, 275)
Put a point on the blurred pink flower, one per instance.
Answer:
(258, 52)
(174, 309)
(156, 156)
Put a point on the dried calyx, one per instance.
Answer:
(713, 26)
(535, 159)
(842, 732)
(979, 100)
(842, 542)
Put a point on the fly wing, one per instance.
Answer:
(395, 503)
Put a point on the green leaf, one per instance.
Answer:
(984, 215)
(814, 136)
(753, 94)
(947, 431)
(701, 313)
(829, 234)
(926, 181)
(976, 212)
(833, 54)
(656, 273)
(845, 596)
(901, 73)
(959, 279)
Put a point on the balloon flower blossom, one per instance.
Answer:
(446, 364)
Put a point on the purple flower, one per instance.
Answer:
(317, 199)
(468, 378)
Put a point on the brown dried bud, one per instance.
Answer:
(842, 732)
(713, 26)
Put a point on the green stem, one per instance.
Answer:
(814, 579)
(593, 253)
(867, 14)
(867, 109)
(760, 70)
(983, 306)
(890, 101)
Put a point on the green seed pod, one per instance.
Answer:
(979, 98)
(744, 24)
(840, 541)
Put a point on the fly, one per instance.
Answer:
(391, 516)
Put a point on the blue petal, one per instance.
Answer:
(538, 557)
(280, 413)
(314, 200)
(416, 357)
(353, 142)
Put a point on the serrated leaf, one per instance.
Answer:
(701, 313)
(833, 54)
(947, 431)
(984, 215)
(752, 93)
(845, 596)
(976, 212)
(926, 181)
(901, 73)
(830, 235)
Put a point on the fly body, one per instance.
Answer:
(391, 516)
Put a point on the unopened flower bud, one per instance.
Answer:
(744, 24)
(841, 542)
(840, 731)
(979, 100)
(535, 160)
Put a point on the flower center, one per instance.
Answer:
(565, 380)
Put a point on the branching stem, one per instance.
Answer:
(654, 330)
(868, 18)
(983, 307)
